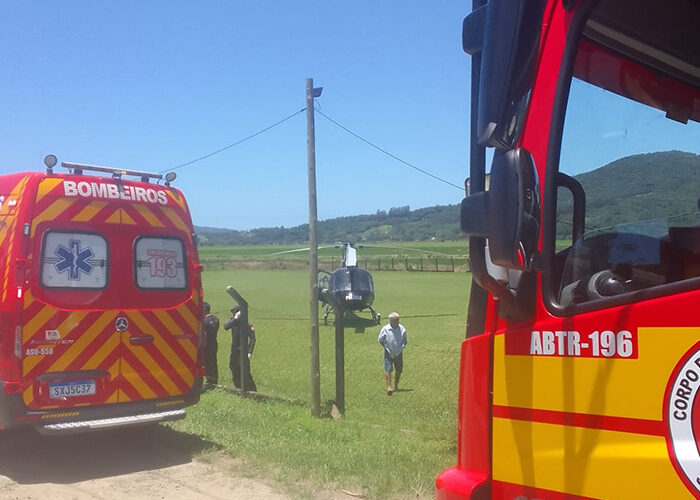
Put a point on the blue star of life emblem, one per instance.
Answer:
(73, 260)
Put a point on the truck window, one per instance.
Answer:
(74, 260)
(159, 263)
(631, 139)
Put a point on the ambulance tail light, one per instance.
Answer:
(18, 342)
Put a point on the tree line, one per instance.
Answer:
(397, 224)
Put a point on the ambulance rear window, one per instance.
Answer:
(159, 263)
(74, 260)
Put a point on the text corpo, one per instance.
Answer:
(114, 192)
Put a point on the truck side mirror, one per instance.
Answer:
(502, 31)
(508, 214)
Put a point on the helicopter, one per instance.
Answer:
(349, 286)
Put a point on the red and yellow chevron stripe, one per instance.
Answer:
(51, 204)
(163, 367)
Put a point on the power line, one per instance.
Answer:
(378, 148)
(386, 152)
(235, 143)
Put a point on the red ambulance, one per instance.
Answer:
(100, 300)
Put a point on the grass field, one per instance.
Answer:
(456, 248)
(385, 446)
(372, 256)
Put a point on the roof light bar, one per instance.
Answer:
(117, 173)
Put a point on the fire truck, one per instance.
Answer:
(100, 300)
(580, 371)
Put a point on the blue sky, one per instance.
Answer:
(601, 127)
(152, 85)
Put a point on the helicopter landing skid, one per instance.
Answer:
(377, 317)
(326, 312)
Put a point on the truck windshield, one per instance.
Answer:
(631, 140)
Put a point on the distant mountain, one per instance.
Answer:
(396, 224)
(633, 188)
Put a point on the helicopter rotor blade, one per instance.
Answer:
(289, 251)
(419, 250)
(294, 250)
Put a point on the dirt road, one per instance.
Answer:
(143, 464)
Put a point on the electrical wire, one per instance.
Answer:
(387, 152)
(235, 143)
(317, 109)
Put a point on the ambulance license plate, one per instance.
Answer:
(72, 389)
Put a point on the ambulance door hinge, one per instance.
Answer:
(26, 229)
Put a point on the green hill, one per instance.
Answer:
(640, 188)
(634, 188)
(397, 224)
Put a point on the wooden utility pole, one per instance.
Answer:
(312, 92)
(339, 357)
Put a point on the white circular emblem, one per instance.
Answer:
(683, 417)
(121, 324)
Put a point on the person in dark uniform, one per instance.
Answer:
(234, 363)
(211, 328)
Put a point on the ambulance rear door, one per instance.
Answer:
(109, 314)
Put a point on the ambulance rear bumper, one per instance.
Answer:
(73, 419)
(108, 423)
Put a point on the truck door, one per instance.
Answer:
(70, 353)
(599, 390)
(160, 341)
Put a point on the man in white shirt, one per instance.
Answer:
(393, 338)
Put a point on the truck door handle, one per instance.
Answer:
(141, 340)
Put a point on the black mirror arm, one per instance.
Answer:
(472, 221)
(477, 259)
